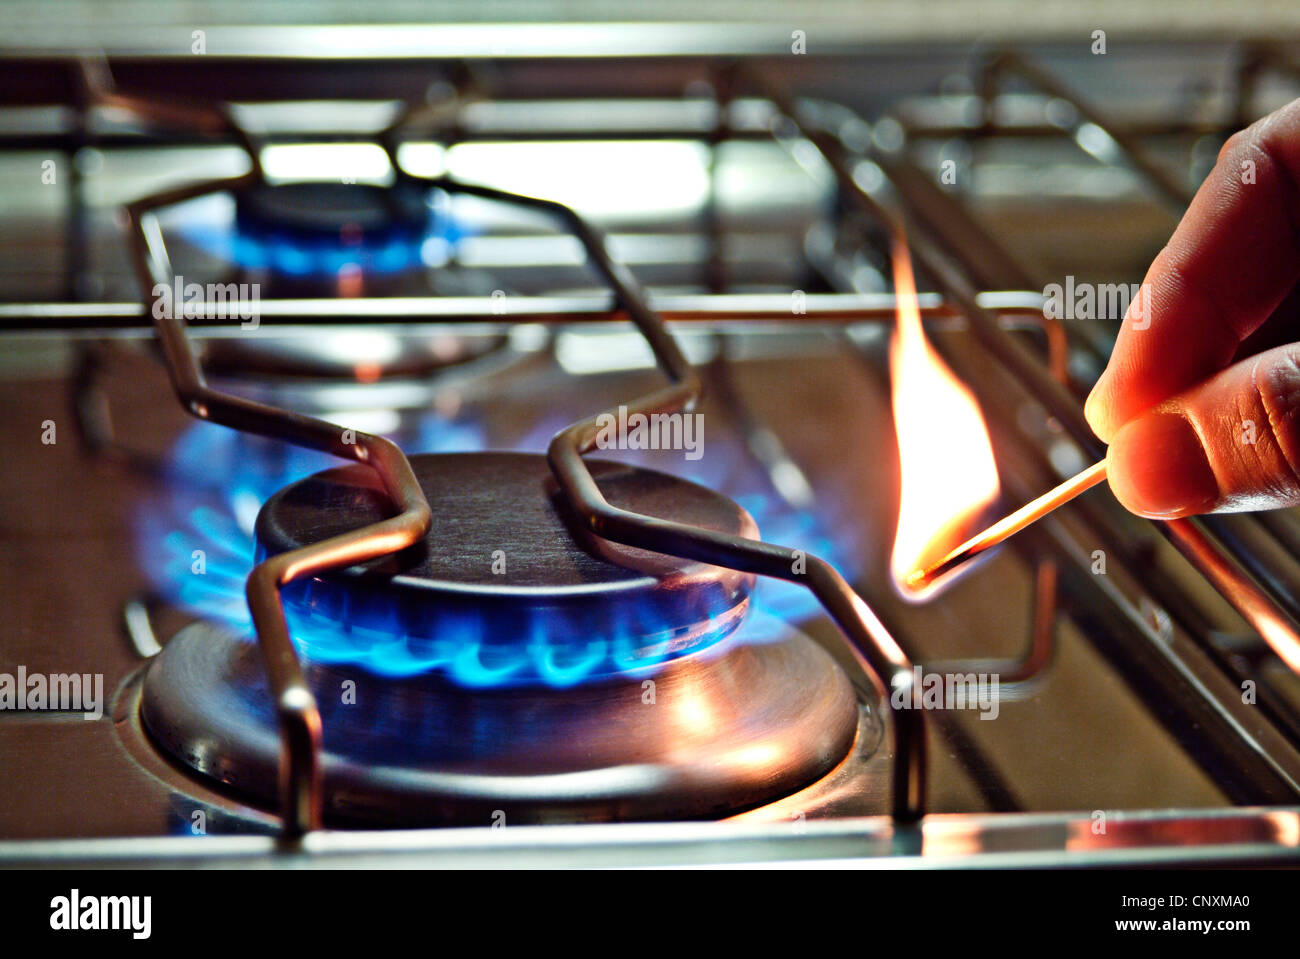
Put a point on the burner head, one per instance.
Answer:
(321, 228)
(507, 588)
(516, 650)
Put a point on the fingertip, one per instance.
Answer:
(1157, 467)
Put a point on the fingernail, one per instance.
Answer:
(1094, 410)
(1090, 407)
(1158, 468)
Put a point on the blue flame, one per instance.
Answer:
(212, 229)
(553, 656)
(195, 540)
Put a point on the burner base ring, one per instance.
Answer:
(709, 735)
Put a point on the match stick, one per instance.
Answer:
(1003, 528)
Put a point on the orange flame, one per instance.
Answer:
(948, 477)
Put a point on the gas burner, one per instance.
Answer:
(306, 233)
(508, 577)
(511, 663)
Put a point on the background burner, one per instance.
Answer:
(317, 230)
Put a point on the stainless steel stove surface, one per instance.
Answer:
(382, 340)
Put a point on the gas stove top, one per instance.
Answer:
(535, 468)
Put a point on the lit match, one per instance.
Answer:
(1003, 528)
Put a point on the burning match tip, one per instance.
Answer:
(921, 578)
(918, 579)
(1029, 513)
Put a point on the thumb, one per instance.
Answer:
(1230, 444)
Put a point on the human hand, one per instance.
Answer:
(1198, 420)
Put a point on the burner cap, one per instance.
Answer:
(322, 226)
(327, 209)
(507, 587)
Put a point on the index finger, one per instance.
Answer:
(1230, 262)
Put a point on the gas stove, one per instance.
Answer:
(531, 493)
